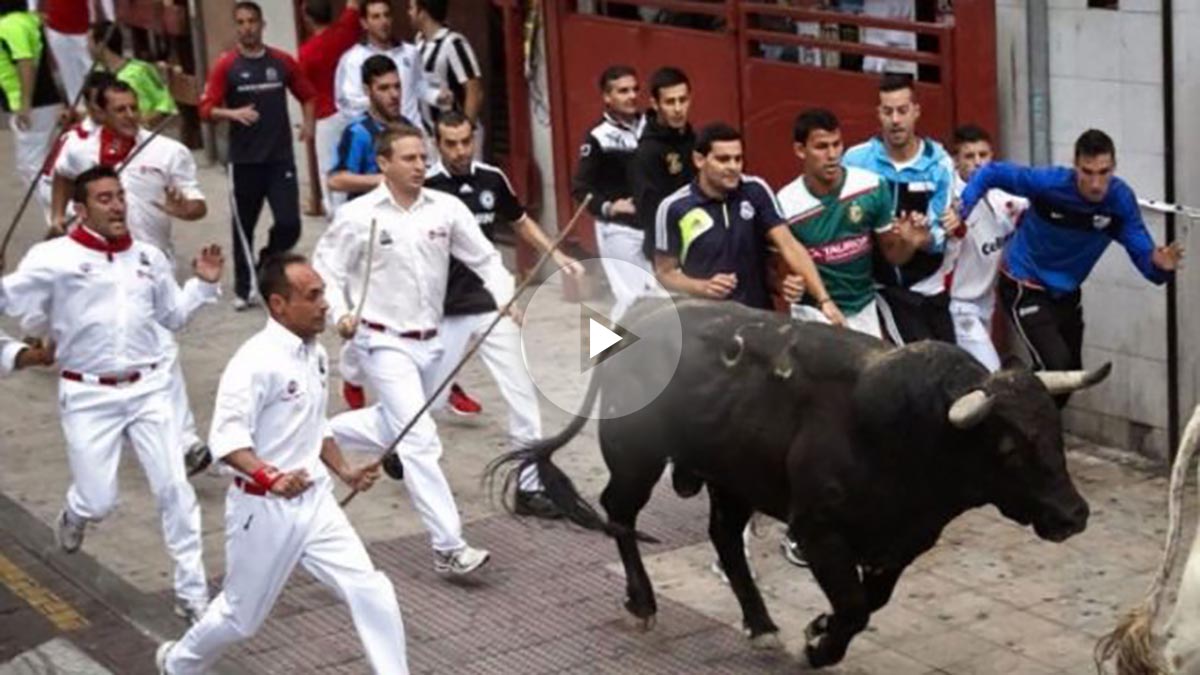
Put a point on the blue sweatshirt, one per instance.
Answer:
(925, 184)
(1062, 235)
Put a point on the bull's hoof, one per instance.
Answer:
(817, 658)
(766, 642)
(644, 617)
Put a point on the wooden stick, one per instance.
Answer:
(478, 342)
(58, 131)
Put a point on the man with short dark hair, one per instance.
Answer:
(354, 171)
(604, 172)
(107, 298)
(451, 72)
(912, 297)
(1077, 212)
(160, 185)
(318, 58)
(839, 214)
(712, 234)
(662, 163)
(154, 99)
(247, 88)
(977, 251)
(269, 426)
(470, 308)
(350, 89)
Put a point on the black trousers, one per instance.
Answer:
(915, 316)
(275, 183)
(1051, 327)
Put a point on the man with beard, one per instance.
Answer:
(912, 297)
(355, 171)
(160, 185)
(662, 163)
(247, 87)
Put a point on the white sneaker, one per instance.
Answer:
(242, 304)
(68, 533)
(190, 610)
(160, 656)
(460, 562)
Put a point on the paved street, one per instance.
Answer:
(990, 599)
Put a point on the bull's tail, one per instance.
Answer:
(557, 484)
(1131, 643)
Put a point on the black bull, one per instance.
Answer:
(865, 451)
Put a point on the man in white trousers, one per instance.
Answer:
(160, 186)
(470, 308)
(394, 327)
(989, 227)
(28, 92)
(604, 162)
(105, 297)
(269, 425)
(67, 23)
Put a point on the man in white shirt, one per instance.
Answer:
(989, 227)
(106, 298)
(349, 91)
(395, 331)
(160, 185)
(269, 425)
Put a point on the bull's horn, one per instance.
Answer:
(1066, 381)
(970, 409)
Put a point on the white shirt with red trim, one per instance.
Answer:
(272, 399)
(104, 308)
(161, 163)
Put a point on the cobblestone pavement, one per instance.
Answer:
(991, 598)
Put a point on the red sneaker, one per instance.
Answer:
(355, 397)
(463, 405)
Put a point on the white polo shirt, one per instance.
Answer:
(410, 261)
(990, 226)
(272, 399)
(163, 162)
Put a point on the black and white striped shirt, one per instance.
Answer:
(448, 62)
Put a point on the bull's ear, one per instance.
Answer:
(1060, 382)
(971, 409)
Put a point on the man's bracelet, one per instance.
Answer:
(266, 476)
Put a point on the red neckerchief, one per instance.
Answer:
(89, 239)
(114, 148)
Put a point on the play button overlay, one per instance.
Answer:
(605, 337)
(569, 336)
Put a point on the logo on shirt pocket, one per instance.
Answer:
(385, 238)
(747, 210)
(292, 391)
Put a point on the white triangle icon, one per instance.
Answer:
(599, 338)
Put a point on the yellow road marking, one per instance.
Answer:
(54, 608)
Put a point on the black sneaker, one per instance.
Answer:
(392, 466)
(535, 503)
(792, 551)
(197, 459)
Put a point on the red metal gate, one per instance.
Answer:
(735, 80)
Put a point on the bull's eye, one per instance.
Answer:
(733, 351)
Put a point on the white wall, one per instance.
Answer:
(1106, 72)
